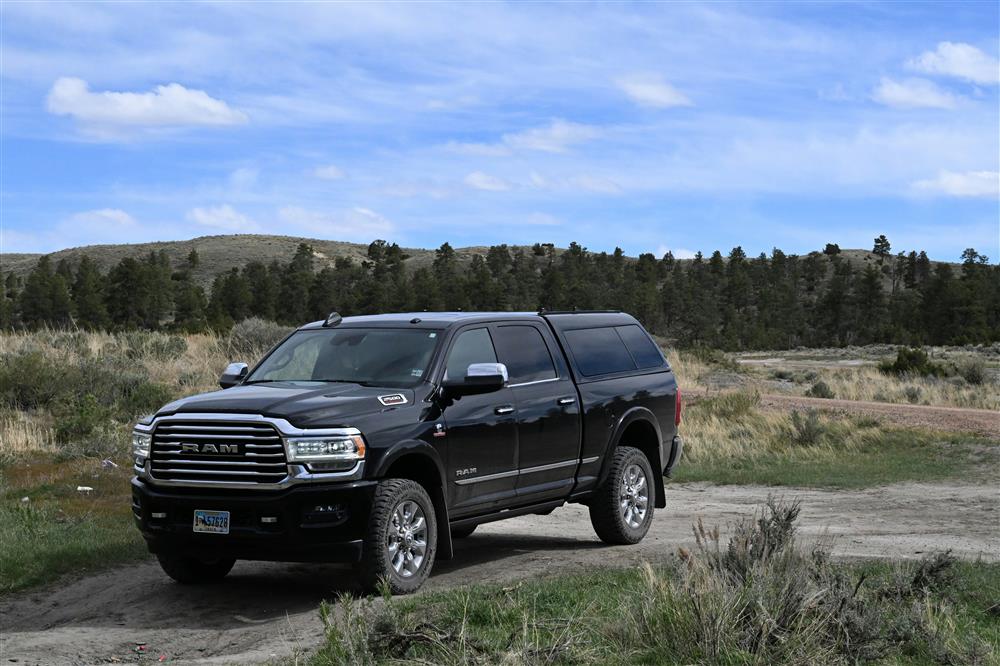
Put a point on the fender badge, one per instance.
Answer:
(439, 430)
(391, 400)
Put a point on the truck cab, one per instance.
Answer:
(377, 440)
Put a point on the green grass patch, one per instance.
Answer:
(49, 529)
(755, 600)
(730, 440)
(882, 457)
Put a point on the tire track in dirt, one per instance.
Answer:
(264, 611)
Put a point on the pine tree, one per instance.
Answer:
(88, 296)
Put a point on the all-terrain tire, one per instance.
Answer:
(614, 509)
(192, 571)
(462, 532)
(387, 534)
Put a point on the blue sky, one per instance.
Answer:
(677, 126)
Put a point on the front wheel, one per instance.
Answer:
(192, 571)
(621, 510)
(401, 542)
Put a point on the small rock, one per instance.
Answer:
(84, 489)
(108, 463)
(25, 500)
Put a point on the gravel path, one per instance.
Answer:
(264, 610)
(952, 419)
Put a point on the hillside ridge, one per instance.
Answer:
(218, 253)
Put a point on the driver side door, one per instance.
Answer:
(481, 431)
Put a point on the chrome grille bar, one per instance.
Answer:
(217, 452)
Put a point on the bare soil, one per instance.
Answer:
(266, 611)
(950, 419)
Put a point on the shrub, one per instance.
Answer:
(913, 394)
(34, 380)
(715, 358)
(731, 405)
(911, 361)
(251, 338)
(807, 430)
(820, 390)
(972, 371)
(79, 419)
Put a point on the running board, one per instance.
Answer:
(507, 513)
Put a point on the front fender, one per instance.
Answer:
(438, 492)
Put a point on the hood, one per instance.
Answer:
(304, 404)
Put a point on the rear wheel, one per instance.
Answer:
(621, 510)
(193, 571)
(401, 542)
(462, 532)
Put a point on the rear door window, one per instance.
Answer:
(599, 351)
(523, 350)
(643, 350)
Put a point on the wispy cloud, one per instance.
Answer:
(329, 172)
(913, 93)
(557, 137)
(223, 217)
(651, 90)
(960, 60)
(170, 105)
(964, 184)
(478, 180)
(356, 223)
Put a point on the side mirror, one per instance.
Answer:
(233, 374)
(479, 378)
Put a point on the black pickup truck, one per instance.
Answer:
(379, 439)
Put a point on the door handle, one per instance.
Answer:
(566, 401)
(503, 409)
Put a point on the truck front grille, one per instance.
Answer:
(218, 452)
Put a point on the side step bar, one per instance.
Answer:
(508, 513)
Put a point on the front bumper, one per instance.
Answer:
(323, 523)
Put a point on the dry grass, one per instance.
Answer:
(22, 433)
(867, 383)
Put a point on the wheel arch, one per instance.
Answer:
(639, 428)
(418, 461)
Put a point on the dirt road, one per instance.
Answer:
(951, 419)
(264, 611)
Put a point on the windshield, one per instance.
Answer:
(391, 357)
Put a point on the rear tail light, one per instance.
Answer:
(677, 408)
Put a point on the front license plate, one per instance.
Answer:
(212, 522)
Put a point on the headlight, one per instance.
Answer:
(327, 453)
(140, 444)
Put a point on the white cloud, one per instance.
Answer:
(960, 60)
(329, 172)
(478, 149)
(243, 178)
(222, 217)
(596, 184)
(353, 224)
(962, 184)
(478, 180)
(104, 218)
(170, 105)
(678, 252)
(557, 137)
(542, 220)
(913, 93)
(652, 90)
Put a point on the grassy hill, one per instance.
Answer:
(220, 253)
